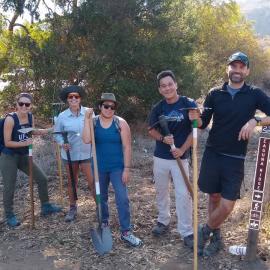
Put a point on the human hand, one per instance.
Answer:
(247, 130)
(88, 113)
(27, 142)
(168, 139)
(125, 176)
(194, 114)
(177, 152)
(66, 146)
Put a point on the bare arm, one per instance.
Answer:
(126, 142)
(247, 130)
(86, 135)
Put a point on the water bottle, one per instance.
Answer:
(238, 250)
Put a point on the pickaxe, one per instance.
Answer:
(65, 137)
(163, 122)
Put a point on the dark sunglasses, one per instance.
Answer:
(73, 96)
(23, 103)
(106, 106)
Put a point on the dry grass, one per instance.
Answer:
(67, 246)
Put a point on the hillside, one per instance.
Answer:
(258, 11)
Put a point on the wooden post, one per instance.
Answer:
(258, 194)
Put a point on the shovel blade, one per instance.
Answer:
(102, 240)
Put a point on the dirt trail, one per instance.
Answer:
(55, 244)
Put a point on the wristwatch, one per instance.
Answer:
(258, 120)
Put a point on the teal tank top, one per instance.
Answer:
(109, 148)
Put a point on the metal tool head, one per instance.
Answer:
(26, 130)
(66, 133)
(102, 239)
(195, 108)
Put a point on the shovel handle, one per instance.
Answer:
(31, 187)
(97, 186)
(70, 168)
(195, 188)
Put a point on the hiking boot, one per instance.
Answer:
(131, 239)
(12, 221)
(203, 235)
(189, 241)
(72, 214)
(160, 229)
(49, 208)
(215, 245)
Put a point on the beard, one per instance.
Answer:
(236, 77)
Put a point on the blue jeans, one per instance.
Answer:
(121, 197)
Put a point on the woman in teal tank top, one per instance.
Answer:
(113, 146)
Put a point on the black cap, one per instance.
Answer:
(71, 89)
(239, 56)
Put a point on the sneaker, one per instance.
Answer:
(215, 245)
(203, 236)
(189, 241)
(104, 224)
(160, 229)
(72, 214)
(12, 221)
(131, 239)
(49, 208)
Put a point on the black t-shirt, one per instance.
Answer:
(180, 128)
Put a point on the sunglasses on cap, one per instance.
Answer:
(71, 96)
(107, 106)
(26, 104)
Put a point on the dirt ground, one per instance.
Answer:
(54, 244)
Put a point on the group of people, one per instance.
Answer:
(231, 107)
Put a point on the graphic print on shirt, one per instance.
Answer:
(23, 136)
(174, 118)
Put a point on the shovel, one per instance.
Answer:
(101, 236)
(30, 171)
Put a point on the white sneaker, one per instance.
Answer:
(131, 239)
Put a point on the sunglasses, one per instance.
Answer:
(73, 96)
(106, 106)
(25, 104)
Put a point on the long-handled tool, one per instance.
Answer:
(30, 172)
(195, 192)
(101, 236)
(164, 125)
(73, 183)
(58, 155)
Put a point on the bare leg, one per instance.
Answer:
(220, 210)
(75, 166)
(86, 169)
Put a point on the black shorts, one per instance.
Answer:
(88, 160)
(221, 174)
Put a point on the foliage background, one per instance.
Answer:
(120, 46)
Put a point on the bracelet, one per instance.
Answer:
(161, 138)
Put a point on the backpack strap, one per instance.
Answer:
(116, 121)
(30, 119)
(95, 120)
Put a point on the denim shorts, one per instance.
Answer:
(221, 174)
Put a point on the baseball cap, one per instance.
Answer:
(238, 56)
